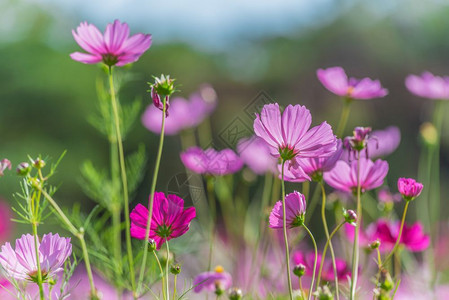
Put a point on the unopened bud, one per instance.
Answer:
(350, 216)
(38, 163)
(323, 293)
(219, 289)
(23, 169)
(235, 294)
(374, 245)
(175, 269)
(299, 270)
(152, 245)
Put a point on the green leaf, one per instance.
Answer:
(96, 185)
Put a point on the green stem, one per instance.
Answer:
(124, 180)
(344, 116)
(398, 240)
(213, 213)
(167, 270)
(355, 251)
(284, 227)
(116, 207)
(174, 287)
(336, 229)
(38, 262)
(153, 189)
(162, 273)
(314, 263)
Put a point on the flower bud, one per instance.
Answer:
(350, 216)
(219, 289)
(152, 246)
(299, 270)
(409, 188)
(235, 294)
(4, 164)
(175, 269)
(161, 90)
(323, 293)
(38, 163)
(359, 140)
(23, 169)
(374, 245)
(385, 281)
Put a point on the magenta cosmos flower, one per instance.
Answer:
(20, 263)
(217, 280)
(335, 80)
(170, 219)
(114, 47)
(327, 274)
(295, 208)
(211, 162)
(409, 188)
(306, 169)
(428, 86)
(343, 176)
(289, 135)
(255, 153)
(184, 113)
(386, 231)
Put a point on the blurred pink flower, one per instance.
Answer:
(295, 208)
(343, 271)
(409, 188)
(384, 195)
(428, 86)
(335, 80)
(4, 164)
(20, 263)
(114, 47)
(210, 161)
(211, 281)
(289, 134)
(170, 219)
(255, 153)
(184, 114)
(6, 224)
(343, 176)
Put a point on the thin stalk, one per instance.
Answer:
(174, 287)
(314, 263)
(213, 212)
(116, 207)
(38, 262)
(301, 289)
(326, 230)
(78, 233)
(167, 270)
(162, 273)
(284, 227)
(344, 116)
(398, 240)
(124, 180)
(306, 189)
(153, 189)
(355, 251)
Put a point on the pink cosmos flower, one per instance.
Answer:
(384, 195)
(306, 169)
(6, 225)
(4, 164)
(335, 80)
(295, 208)
(184, 113)
(211, 162)
(343, 271)
(114, 47)
(212, 281)
(409, 188)
(170, 219)
(343, 176)
(387, 231)
(20, 263)
(428, 86)
(255, 153)
(288, 135)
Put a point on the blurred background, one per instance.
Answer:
(240, 48)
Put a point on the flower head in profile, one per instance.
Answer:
(295, 208)
(343, 176)
(114, 47)
(4, 164)
(289, 134)
(20, 263)
(308, 260)
(335, 80)
(169, 220)
(161, 90)
(211, 162)
(428, 86)
(216, 281)
(307, 169)
(409, 188)
(255, 153)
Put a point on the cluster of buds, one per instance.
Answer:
(24, 168)
(161, 90)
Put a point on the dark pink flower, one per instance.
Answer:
(343, 176)
(213, 281)
(295, 208)
(306, 169)
(255, 153)
(409, 188)
(210, 161)
(114, 47)
(335, 80)
(327, 274)
(4, 164)
(386, 231)
(170, 219)
(428, 86)
(289, 134)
